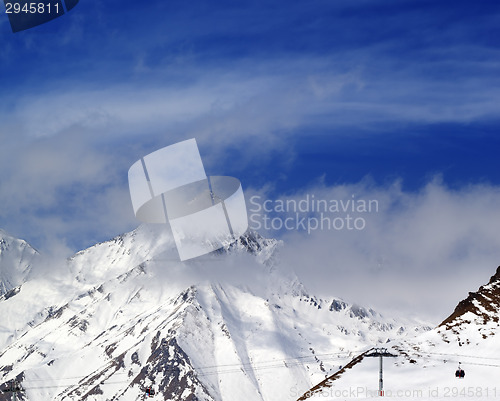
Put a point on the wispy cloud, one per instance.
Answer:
(257, 100)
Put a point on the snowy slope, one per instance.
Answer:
(126, 315)
(425, 366)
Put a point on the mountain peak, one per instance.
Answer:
(482, 306)
(5, 238)
(264, 249)
(495, 277)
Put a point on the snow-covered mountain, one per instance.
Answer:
(16, 259)
(480, 308)
(126, 315)
(425, 365)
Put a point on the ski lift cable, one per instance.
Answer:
(199, 374)
(473, 363)
(457, 361)
(227, 368)
(237, 368)
(461, 355)
(214, 370)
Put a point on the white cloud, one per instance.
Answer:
(62, 188)
(420, 253)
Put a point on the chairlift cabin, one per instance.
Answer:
(460, 373)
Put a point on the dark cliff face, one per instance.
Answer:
(484, 303)
(5, 388)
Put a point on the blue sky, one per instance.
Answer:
(290, 97)
(392, 88)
